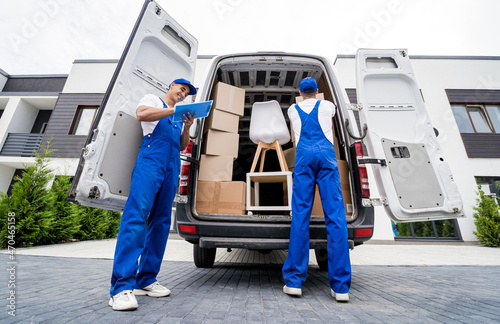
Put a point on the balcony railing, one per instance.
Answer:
(21, 144)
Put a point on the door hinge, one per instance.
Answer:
(382, 162)
(370, 202)
(355, 106)
(94, 193)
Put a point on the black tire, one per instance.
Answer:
(265, 251)
(203, 257)
(322, 258)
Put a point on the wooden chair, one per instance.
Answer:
(262, 148)
(269, 131)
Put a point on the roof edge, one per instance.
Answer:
(18, 76)
(439, 57)
(96, 61)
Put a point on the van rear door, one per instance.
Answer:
(412, 175)
(158, 51)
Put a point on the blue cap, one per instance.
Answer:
(308, 85)
(192, 89)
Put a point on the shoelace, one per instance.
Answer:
(157, 284)
(126, 293)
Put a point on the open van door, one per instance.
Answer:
(412, 175)
(158, 51)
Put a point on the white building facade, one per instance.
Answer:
(462, 96)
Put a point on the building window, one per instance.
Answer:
(442, 230)
(477, 118)
(83, 120)
(490, 186)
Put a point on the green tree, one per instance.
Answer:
(445, 228)
(4, 213)
(31, 203)
(487, 220)
(65, 223)
(404, 229)
(97, 223)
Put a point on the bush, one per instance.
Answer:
(32, 204)
(44, 216)
(487, 220)
(65, 222)
(97, 223)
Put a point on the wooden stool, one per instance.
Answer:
(262, 148)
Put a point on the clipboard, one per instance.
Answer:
(202, 109)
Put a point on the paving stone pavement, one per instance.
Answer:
(75, 290)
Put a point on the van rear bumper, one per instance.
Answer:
(260, 235)
(258, 244)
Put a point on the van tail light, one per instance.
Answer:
(364, 232)
(187, 229)
(363, 173)
(185, 168)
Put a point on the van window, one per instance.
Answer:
(381, 63)
(173, 36)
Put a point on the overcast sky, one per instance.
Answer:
(46, 36)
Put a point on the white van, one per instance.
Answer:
(388, 129)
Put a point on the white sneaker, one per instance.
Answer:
(292, 291)
(125, 300)
(153, 290)
(340, 297)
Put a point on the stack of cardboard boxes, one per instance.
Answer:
(216, 192)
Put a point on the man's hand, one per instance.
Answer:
(188, 121)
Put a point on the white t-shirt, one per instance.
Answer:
(154, 101)
(326, 111)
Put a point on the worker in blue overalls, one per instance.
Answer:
(315, 163)
(145, 222)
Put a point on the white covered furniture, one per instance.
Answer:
(269, 131)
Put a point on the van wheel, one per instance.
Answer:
(322, 258)
(203, 257)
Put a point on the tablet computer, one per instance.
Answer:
(202, 109)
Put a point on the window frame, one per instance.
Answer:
(77, 118)
(485, 114)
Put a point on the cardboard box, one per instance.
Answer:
(216, 168)
(222, 121)
(228, 98)
(319, 96)
(290, 157)
(221, 143)
(344, 186)
(232, 198)
(205, 193)
(221, 197)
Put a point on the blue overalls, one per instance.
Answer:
(315, 162)
(152, 191)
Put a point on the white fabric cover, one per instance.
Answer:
(267, 123)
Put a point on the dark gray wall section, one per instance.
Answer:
(479, 96)
(482, 145)
(61, 120)
(34, 84)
